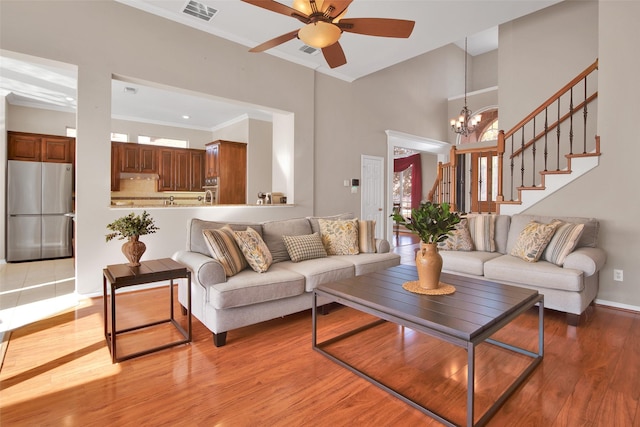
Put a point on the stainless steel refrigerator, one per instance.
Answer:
(39, 210)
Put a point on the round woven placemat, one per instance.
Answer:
(442, 289)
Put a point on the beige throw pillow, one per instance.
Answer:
(459, 239)
(223, 247)
(482, 229)
(563, 242)
(367, 236)
(304, 247)
(254, 249)
(339, 237)
(533, 239)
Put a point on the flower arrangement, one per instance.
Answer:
(433, 222)
(131, 225)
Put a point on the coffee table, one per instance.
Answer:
(466, 318)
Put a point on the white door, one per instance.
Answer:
(372, 192)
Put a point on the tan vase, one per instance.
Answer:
(133, 250)
(429, 265)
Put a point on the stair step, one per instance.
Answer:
(560, 172)
(531, 188)
(568, 156)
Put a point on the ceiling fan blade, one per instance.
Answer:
(275, 42)
(280, 8)
(339, 6)
(334, 55)
(381, 27)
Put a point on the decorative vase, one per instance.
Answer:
(429, 265)
(133, 250)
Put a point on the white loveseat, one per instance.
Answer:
(570, 287)
(224, 303)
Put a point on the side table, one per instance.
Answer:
(121, 276)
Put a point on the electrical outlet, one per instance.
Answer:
(618, 275)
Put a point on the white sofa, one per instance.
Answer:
(569, 288)
(224, 303)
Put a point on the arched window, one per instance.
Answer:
(491, 132)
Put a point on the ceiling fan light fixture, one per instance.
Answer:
(304, 6)
(319, 34)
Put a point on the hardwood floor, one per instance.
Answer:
(58, 372)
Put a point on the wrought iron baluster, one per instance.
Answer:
(584, 136)
(546, 134)
(512, 166)
(533, 153)
(571, 121)
(558, 139)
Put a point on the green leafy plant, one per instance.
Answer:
(433, 222)
(130, 226)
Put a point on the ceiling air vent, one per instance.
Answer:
(200, 10)
(308, 49)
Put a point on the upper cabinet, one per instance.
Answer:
(226, 168)
(34, 147)
(139, 158)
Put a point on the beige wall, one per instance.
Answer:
(336, 122)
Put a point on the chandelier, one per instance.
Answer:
(465, 124)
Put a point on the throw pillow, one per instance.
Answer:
(223, 247)
(339, 237)
(367, 236)
(482, 229)
(533, 239)
(459, 239)
(304, 247)
(563, 242)
(254, 249)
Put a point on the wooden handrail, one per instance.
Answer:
(553, 98)
(553, 125)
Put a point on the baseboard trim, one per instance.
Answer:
(618, 305)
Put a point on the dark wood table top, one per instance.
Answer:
(473, 308)
(156, 270)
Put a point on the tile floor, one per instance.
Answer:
(30, 291)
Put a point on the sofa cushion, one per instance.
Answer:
(482, 229)
(273, 231)
(367, 236)
(254, 249)
(313, 220)
(589, 236)
(308, 246)
(318, 271)
(339, 237)
(533, 240)
(507, 268)
(466, 262)
(562, 243)
(223, 247)
(249, 287)
(459, 239)
(368, 263)
(195, 240)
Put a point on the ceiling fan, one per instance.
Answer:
(324, 24)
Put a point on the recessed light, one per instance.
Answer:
(68, 98)
(130, 90)
(186, 117)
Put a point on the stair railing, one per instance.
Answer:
(552, 129)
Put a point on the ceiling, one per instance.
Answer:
(438, 23)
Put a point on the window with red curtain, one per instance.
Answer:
(404, 163)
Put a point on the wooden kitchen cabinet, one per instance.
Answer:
(180, 169)
(226, 166)
(197, 158)
(34, 147)
(115, 166)
(138, 158)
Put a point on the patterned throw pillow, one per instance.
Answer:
(339, 237)
(482, 229)
(223, 247)
(459, 240)
(304, 247)
(254, 249)
(367, 236)
(533, 239)
(563, 242)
